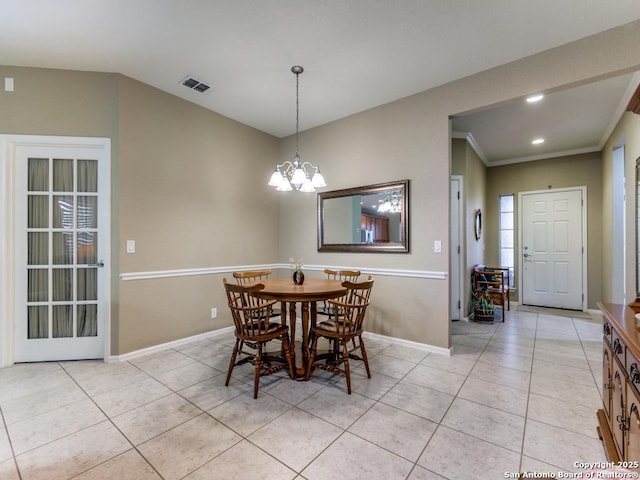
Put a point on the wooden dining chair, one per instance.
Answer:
(344, 332)
(342, 275)
(253, 330)
(254, 276)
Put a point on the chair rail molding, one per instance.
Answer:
(187, 272)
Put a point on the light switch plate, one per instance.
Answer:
(437, 246)
(131, 246)
(8, 84)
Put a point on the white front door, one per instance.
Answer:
(553, 240)
(61, 231)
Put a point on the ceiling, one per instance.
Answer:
(357, 54)
(572, 121)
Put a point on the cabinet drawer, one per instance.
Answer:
(606, 329)
(618, 348)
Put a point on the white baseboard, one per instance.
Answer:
(408, 343)
(224, 331)
(163, 346)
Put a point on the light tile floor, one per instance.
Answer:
(518, 396)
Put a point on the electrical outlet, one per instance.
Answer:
(214, 312)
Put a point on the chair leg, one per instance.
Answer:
(256, 372)
(365, 360)
(232, 362)
(347, 370)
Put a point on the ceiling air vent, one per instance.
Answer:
(194, 84)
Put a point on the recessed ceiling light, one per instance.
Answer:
(535, 98)
(537, 141)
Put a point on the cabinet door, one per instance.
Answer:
(618, 407)
(606, 380)
(632, 444)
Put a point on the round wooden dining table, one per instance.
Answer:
(307, 294)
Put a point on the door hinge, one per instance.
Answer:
(458, 194)
(458, 304)
(458, 249)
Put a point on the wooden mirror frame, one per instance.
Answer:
(401, 186)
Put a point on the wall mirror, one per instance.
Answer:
(374, 218)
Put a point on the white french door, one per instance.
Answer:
(553, 241)
(61, 241)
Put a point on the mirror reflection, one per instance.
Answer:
(371, 218)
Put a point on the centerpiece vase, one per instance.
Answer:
(298, 277)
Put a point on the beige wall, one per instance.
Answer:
(626, 133)
(193, 194)
(569, 171)
(475, 193)
(183, 219)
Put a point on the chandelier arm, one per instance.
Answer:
(284, 164)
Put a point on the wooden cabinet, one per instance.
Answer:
(619, 419)
(374, 229)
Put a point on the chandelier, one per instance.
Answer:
(391, 204)
(297, 174)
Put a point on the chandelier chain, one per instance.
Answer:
(297, 109)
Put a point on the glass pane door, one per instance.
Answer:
(59, 233)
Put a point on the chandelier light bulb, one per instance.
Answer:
(284, 186)
(276, 178)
